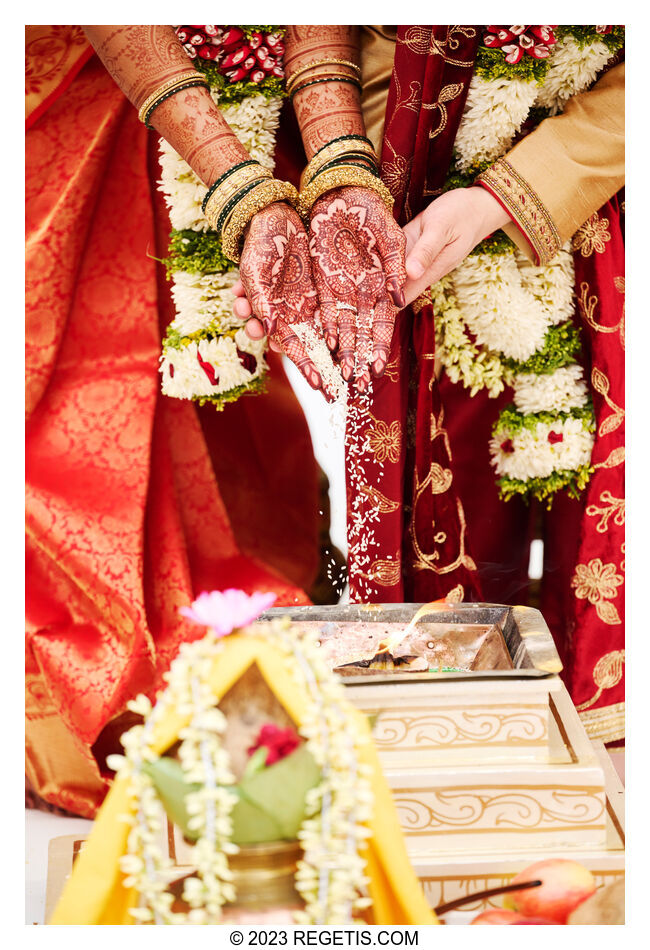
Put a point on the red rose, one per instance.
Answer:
(279, 743)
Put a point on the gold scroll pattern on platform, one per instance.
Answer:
(499, 809)
(459, 728)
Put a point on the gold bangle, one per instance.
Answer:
(229, 188)
(321, 62)
(257, 199)
(339, 177)
(165, 87)
(334, 150)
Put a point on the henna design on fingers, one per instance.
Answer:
(382, 334)
(351, 234)
(276, 272)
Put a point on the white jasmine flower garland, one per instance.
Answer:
(331, 876)
(495, 313)
(200, 358)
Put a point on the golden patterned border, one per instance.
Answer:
(524, 206)
(438, 729)
(606, 723)
(512, 809)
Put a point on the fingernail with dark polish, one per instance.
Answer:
(396, 293)
(313, 378)
(378, 367)
(346, 371)
(331, 341)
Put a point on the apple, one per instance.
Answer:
(498, 917)
(565, 884)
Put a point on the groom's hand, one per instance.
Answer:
(440, 237)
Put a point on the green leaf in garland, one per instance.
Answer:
(271, 802)
(169, 781)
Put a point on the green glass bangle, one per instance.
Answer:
(315, 82)
(213, 187)
(343, 138)
(172, 92)
(225, 211)
(347, 158)
(344, 165)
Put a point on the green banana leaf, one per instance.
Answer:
(271, 802)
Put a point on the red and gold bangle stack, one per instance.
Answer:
(323, 70)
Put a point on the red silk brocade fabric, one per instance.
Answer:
(135, 502)
(441, 525)
(421, 550)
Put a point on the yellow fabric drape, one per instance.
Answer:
(95, 893)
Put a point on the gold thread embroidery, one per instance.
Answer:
(384, 440)
(447, 94)
(591, 236)
(456, 594)
(601, 384)
(386, 572)
(597, 583)
(607, 673)
(612, 507)
(525, 207)
(379, 500)
(615, 457)
(588, 306)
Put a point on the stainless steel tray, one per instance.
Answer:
(524, 629)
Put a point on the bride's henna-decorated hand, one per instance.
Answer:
(276, 273)
(358, 253)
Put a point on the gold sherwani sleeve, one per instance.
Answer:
(558, 176)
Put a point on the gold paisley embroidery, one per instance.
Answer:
(612, 507)
(615, 457)
(597, 583)
(601, 384)
(592, 236)
(439, 478)
(607, 673)
(392, 370)
(384, 440)
(379, 500)
(386, 572)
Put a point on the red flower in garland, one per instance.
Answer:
(237, 56)
(515, 41)
(279, 743)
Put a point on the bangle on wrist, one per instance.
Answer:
(316, 82)
(256, 199)
(338, 177)
(169, 88)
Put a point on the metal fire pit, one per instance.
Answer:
(526, 635)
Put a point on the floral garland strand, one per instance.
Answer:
(206, 354)
(330, 877)
(501, 320)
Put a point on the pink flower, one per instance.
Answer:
(228, 610)
(279, 743)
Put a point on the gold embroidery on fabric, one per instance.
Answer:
(591, 236)
(525, 207)
(419, 39)
(615, 457)
(384, 441)
(386, 572)
(619, 283)
(450, 42)
(447, 94)
(379, 500)
(622, 564)
(601, 384)
(597, 583)
(612, 507)
(607, 673)
(392, 370)
(588, 306)
(420, 302)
